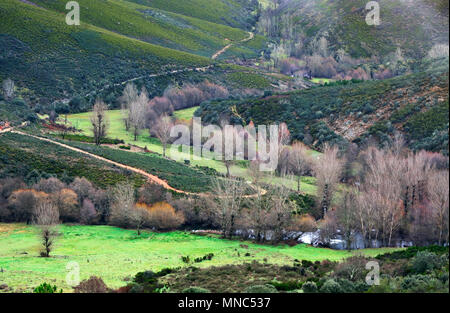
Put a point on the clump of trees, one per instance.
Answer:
(151, 212)
(400, 195)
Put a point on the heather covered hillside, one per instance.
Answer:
(343, 112)
(117, 41)
(412, 26)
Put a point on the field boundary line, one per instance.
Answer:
(152, 178)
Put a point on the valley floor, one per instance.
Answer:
(117, 131)
(116, 255)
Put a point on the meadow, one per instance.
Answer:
(117, 131)
(117, 254)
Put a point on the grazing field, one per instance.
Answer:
(153, 25)
(186, 114)
(117, 254)
(23, 156)
(117, 131)
(176, 174)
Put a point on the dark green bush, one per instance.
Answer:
(309, 287)
(286, 286)
(425, 261)
(331, 286)
(46, 288)
(261, 289)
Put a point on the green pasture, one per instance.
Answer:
(117, 131)
(117, 255)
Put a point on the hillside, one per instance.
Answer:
(412, 26)
(22, 156)
(416, 105)
(52, 60)
(155, 26)
(235, 13)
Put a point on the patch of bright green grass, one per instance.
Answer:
(116, 254)
(321, 81)
(186, 114)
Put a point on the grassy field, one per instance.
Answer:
(153, 25)
(321, 81)
(185, 114)
(22, 156)
(117, 254)
(228, 12)
(117, 131)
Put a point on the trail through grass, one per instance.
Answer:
(117, 131)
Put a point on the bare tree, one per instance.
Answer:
(229, 137)
(8, 88)
(346, 216)
(254, 172)
(162, 130)
(299, 161)
(279, 219)
(130, 94)
(328, 170)
(99, 121)
(227, 205)
(438, 193)
(417, 167)
(138, 217)
(87, 212)
(46, 215)
(328, 227)
(137, 111)
(383, 189)
(122, 205)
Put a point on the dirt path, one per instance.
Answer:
(198, 69)
(150, 177)
(224, 49)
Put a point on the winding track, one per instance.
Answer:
(221, 51)
(152, 178)
(198, 69)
